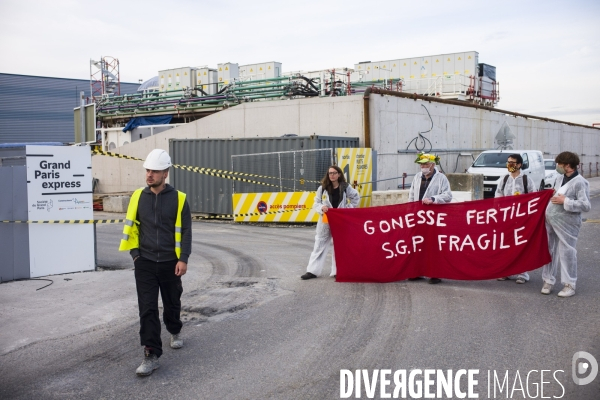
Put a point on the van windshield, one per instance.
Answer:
(491, 160)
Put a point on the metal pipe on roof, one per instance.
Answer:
(158, 112)
(158, 103)
(238, 88)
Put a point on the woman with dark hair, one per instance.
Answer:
(334, 192)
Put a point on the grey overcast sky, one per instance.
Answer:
(547, 53)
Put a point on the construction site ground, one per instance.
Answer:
(253, 329)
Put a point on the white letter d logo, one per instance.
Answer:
(583, 367)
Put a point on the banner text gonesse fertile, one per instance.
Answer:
(453, 242)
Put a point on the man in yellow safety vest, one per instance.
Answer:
(158, 235)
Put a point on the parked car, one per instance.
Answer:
(551, 174)
(492, 165)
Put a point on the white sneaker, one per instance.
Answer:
(567, 291)
(547, 288)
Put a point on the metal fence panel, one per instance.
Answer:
(289, 171)
(212, 195)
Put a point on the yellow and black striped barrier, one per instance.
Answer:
(235, 178)
(256, 214)
(68, 221)
(117, 221)
(213, 172)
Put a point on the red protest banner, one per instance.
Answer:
(483, 239)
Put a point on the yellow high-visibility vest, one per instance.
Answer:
(131, 233)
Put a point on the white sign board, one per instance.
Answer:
(59, 187)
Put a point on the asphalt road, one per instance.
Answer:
(254, 330)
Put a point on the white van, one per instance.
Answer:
(492, 165)
(551, 173)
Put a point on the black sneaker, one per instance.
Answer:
(418, 278)
(308, 275)
(433, 281)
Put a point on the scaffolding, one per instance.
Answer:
(105, 79)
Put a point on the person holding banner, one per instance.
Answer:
(563, 221)
(430, 187)
(514, 184)
(334, 192)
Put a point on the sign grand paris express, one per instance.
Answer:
(475, 240)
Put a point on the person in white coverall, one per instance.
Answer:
(430, 187)
(511, 185)
(334, 192)
(563, 221)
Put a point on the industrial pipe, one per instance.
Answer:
(103, 108)
(237, 88)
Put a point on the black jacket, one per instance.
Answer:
(157, 214)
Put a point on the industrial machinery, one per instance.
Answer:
(190, 93)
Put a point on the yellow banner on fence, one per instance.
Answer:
(357, 165)
(302, 202)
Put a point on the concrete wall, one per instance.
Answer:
(467, 183)
(116, 203)
(464, 187)
(389, 197)
(328, 116)
(395, 121)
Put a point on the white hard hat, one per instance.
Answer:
(157, 160)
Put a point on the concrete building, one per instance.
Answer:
(396, 125)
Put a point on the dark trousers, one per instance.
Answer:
(150, 277)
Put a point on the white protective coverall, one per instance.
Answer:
(563, 222)
(515, 185)
(439, 188)
(323, 241)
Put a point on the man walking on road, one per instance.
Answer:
(158, 235)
